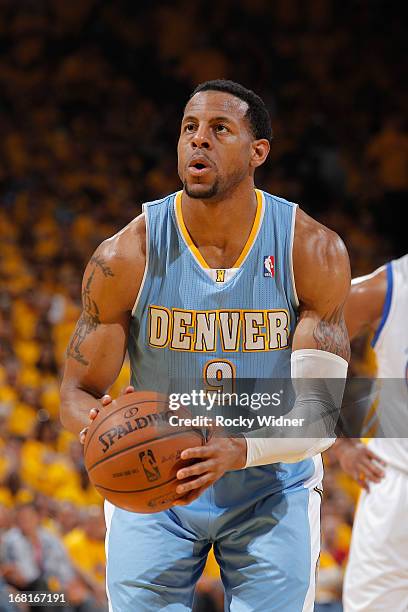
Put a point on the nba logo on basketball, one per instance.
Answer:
(269, 266)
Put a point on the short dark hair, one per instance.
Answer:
(257, 113)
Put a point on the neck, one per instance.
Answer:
(220, 227)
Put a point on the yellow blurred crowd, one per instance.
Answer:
(91, 99)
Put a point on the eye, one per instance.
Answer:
(220, 128)
(189, 127)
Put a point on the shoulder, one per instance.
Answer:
(365, 302)
(320, 259)
(127, 245)
(376, 282)
(313, 238)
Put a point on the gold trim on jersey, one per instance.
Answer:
(195, 251)
(254, 231)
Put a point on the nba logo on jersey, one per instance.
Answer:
(269, 266)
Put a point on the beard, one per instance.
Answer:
(200, 191)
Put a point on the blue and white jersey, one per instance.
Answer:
(390, 344)
(192, 322)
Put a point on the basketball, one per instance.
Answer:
(132, 453)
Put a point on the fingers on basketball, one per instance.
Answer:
(128, 389)
(105, 401)
(133, 453)
(82, 435)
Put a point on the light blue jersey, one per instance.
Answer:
(188, 314)
(199, 324)
(195, 323)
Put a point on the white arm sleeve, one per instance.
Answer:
(305, 363)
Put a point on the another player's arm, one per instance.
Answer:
(363, 310)
(365, 303)
(97, 348)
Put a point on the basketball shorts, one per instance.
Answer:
(267, 547)
(376, 576)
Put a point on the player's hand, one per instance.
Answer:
(359, 462)
(218, 456)
(93, 413)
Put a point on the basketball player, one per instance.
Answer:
(218, 273)
(377, 572)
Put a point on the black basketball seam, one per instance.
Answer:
(134, 403)
(149, 441)
(161, 484)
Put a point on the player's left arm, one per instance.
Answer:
(322, 279)
(320, 347)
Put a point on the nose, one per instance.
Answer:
(201, 139)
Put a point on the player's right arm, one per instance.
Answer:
(97, 348)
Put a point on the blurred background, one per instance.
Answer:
(91, 95)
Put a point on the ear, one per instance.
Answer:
(260, 151)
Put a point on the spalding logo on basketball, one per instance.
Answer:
(132, 453)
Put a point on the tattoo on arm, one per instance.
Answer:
(89, 319)
(98, 261)
(331, 334)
